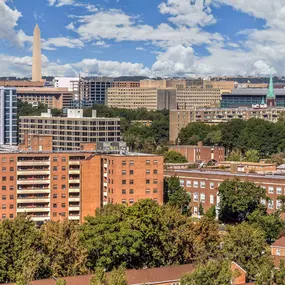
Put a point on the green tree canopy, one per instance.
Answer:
(174, 157)
(238, 199)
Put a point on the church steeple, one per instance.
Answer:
(270, 97)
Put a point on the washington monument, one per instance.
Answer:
(37, 60)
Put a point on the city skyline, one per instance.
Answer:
(149, 38)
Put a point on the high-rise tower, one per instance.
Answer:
(37, 60)
(270, 98)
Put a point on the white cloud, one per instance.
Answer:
(53, 43)
(101, 44)
(60, 3)
(140, 48)
(189, 13)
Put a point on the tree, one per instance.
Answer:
(60, 282)
(238, 199)
(235, 155)
(176, 195)
(99, 278)
(201, 210)
(246, 245)
(252, 155)
(67, 256)
(211, 213)
(271, 224)
(117, 277)
(215, 272)
(174, 157)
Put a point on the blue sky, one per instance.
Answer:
(145, 37)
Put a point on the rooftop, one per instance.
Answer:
(279, 243)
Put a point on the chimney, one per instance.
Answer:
(234, 167)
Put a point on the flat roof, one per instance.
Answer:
(254, 92)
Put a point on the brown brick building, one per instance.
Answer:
(200, 153)
(203, 186)
(50, 185)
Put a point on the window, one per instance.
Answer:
(196, 184)
(155, 181)
(11, 216)
(279, 190)
(11, 197)
(124, 162)
(131, 191)
(188, 183)
(124, 172)
(54, 205)
(63, 158)
(54, 214)
(263, 201)
(195, 196)
(11, 159)
(278, 252)
(132, 162)
(63, 196)
(63, 177)
(3, 197)
(63, 168)
(4, 188)
(195, 210)
(278, 204)
(63, 205)
(11, 169)
(3, 169)
(212, 185)
(155, 190)
(55, 158)
(4, 159)
(270, 204)
(131, 181)
(62, 214)
(124, 191)
(54, 168)
(211, 199)
(4, 178)
(55, 177)
(147, 191)
(123, 201)
(202, 184)
(181, 182)
(147, 171)
(11, 178)
(54, 187)
(131, 201)
(54, 196)
(147, 162)
(132, 172)
(12, 188)
(155, 171)
(202, 197)
(4, 207)
(270, 190)
(11, 206)
(3, 216)
(63, 187)
(124, 182)
(155, 162)
(147, 181)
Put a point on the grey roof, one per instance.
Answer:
(256, 92)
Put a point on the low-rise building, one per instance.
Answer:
(58, 98)
(136, 98)
(278, 251)
(69, 132)
(203, 185)
(200, 153)
(126, 84)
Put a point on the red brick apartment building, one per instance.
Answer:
(278, 251)
(169, 275)
(200, 153)
(72, 184)
(203, 186)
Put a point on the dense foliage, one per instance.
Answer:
(172, 156)
(266, 138)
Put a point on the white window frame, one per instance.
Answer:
(279, 190)
(195, 196)
(188, 183)
(182, 182)
(202, 197)
(212, 199)
(202, 184)
(196, 184)
(212, 185)
(270, 190)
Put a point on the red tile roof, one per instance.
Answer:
(279, 243)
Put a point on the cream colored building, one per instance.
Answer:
(136, 98)
(198, 97)
(71, 131)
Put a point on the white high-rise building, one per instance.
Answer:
(72, 83)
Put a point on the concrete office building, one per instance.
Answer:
(126, 84)
(37, 57)
(94, 91)
(50, 185)
(164, 83)
(198, 97)
(179, 119)
(8, 116)
(203, 185)
(135, 98)
(69, 132)
(58, 98)
(71, 83)
(21, 83)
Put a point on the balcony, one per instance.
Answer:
(74, 190)
(33, 209)
(74, 199)
(105, 184)
(74, 171)
(40, 218)
(106, 174)
(73, 218)
(33, 172)
(105, 194)
(105, 165)
(75, 162)
(33, 200)
(74, 208)
(71, 180)
(33, 191)
(29, 182)
(33, 163)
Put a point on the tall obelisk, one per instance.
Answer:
(37, 60)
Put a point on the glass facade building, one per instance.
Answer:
(8, 116)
